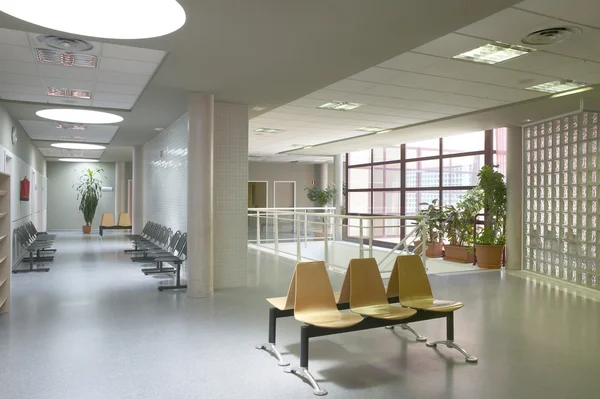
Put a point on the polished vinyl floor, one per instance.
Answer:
(95, 327)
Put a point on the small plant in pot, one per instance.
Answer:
(490, 241)
(459, 227)
(89, 191)
(435, 234)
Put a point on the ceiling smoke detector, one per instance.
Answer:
(65, 43)
(551, 35)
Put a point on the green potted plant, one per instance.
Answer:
(458, 227)
(490, 241)
(435, 234)
(321, 198)
(89, 191)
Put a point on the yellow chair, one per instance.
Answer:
(410, 283)
(124, 220)
(108, 220)
(367, 292)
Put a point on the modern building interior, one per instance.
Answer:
(385, 198)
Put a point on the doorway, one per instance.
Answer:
(257, 198)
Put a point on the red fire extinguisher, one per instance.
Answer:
(24, 192)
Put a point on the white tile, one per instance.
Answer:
(17, 78)
(127, 66)
(13, 37)
(122, 78)
(119, 88)
(132, 53)
(410, 61)
(22, 89)
(113, 97)
(16, 53)
(25, 68)
(67, 84)
(67, 73)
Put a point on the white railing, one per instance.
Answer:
(306, 234)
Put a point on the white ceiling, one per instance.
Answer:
(51, 152)
(427, 84)
(46, 130)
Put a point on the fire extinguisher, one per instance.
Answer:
(24, 192)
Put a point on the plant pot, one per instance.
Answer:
(86, 229)
(434, 249)
(458, 253)
(489, 256)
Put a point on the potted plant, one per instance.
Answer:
(321, 198)
(490, 241)
(89, 191)
(436, 217)
(458, 227)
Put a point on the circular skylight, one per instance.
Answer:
(78, 146)
(78, 115)
(77, 160)
(109, 19)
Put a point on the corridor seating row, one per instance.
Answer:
(36, 244)
(108, 222)
(158, 244)
(311, 300)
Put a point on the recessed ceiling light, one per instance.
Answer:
(371, 129)
(78, 116)
(307, 147)
(568, 93)
(493, 53)
(339, 106)
(69, 126)
(526, 121)
(383, 131)
(109, 19)
(77, 160)
(159, 129)
(258, 108)
(65, 58)
(83, 94)
(268, 130)
(78, 146)
(558, 86)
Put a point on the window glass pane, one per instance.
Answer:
(359, 202)
(423, 173)
(359, 157)
(464, 143)
(359, 177)
(414, 198)
(427, 148)
(386, 176)
(386, 154)
(462, 171)
(451, 197)
(500, 146)
(386, 203)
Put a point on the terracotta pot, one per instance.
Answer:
(434, 249)
(458, 254)
(489, 256)
(86, 229)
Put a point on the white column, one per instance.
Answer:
(138, 190)
(120, 190)
(338, 176)
(200, 191)
(324, 176)
(514, 205)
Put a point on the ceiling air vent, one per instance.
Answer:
(65, 43)
(70, 126)
(551, 35)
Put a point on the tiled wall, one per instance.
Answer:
(165, 187)
(561, 198)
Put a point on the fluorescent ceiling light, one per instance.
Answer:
(77, 160)
(78, 115)
(257, 108)
(371, 129)
(493, 53)
(268, 130)
(558, 86)
(383, 131)
(109, 19)
(65, 58)
(69, 126)
(307, 147)
(339, 105)
(78, 146)
(568, 93)
(75, 93)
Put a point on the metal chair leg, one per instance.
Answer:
(453, 345)
(273, 350)
(306, 375)
(420, 338)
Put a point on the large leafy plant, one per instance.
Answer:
(321, 197)
(460, 218)
(435, 215)
(492, 190)
(89, 192)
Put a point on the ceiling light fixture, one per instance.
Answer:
(108, 19)
(78, 146)
(76, 93)
(69, 126)
(258, 108)
(558, 86)
(65, 58)
(371, 129)
(268, 130)
(340, 106)
(493, 53)
(79, 116)
(159, 129)
(568, 93)
(383, 131)
(77, 160)
(307, 147)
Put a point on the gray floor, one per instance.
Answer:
(95, 327)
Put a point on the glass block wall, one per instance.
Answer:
(561, 197)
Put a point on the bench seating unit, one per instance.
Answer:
(108, 222)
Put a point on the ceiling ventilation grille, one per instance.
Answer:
(65, 43)
(71, 153)
(69, 126)
(66, 58)
(71, 138)
(551, 35)
(75, 93)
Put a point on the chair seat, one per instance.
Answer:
(385, 312)
(433, 305)
(280, 302)
(330, 319)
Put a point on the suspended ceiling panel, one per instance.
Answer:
(52, 152)
(120, 75)
(48, 131)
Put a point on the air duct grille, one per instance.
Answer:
(65, 43)
(66, 58)
(551, 35)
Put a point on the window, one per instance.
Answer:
(461, 171)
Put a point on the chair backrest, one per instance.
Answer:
(124, 219)
(108, 220)
(409, 279)
(366, 285)
(314, 293)
(173, 242)
(181, 245)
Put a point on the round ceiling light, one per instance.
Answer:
(108, 19)
(78, 146)
(77, 160)
(78, 116)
